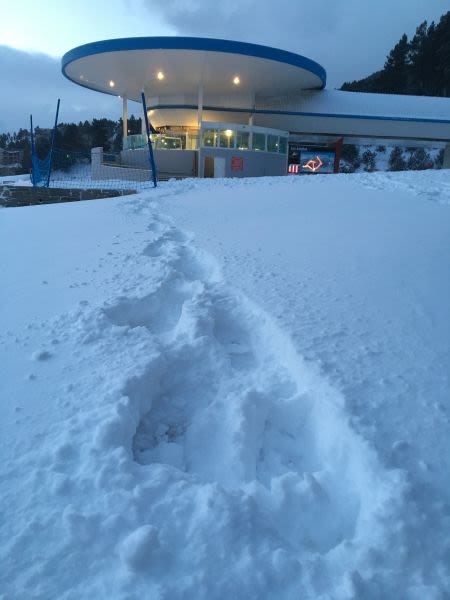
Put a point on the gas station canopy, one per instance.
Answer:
(177, 67)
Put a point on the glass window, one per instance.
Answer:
(191, 141)
(243, 140)
(259, 141)
(209, 137)
(226, 138)
(272, 143)
(282, 147)
(165, 142)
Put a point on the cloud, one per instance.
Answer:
(350, 38)
(32, 83)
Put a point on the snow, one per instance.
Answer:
(15, 179)
(376, 105)
(228, 389)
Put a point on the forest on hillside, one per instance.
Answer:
(79, 137)
(418, 66)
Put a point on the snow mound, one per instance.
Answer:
(196, 454)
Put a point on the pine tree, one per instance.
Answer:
(397, 67)
(368, 160)
(396, 160)
(350, 153)
(419, 159)
(420, 67)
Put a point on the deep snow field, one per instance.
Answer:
(228, 390)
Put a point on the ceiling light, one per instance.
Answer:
(236, 80)
(228, 132)
(111, 83)
(160, 75)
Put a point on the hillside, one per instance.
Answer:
(419, 66)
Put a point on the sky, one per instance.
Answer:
(350, 38)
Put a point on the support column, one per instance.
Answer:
(250, 122)
(446, 162)
(199, 123)
(124, 118)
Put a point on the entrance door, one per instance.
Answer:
(209, 167)
(219, 166)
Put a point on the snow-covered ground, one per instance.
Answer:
(228, 389)
(15, 179)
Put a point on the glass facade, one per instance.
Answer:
(162, 141)
(272, 143)
(259, 141)
(209, 138)
(227, 138)
(221, 135)
(243, 140)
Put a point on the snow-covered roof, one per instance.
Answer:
(360, 104)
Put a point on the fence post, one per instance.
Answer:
(149, 141)
(52, 144)
(33, 174)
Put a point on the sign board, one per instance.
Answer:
(237, 163)
(310, 160)
(316, 162)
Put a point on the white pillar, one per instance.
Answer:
(125, 116)
(199, 122)
(200, 106)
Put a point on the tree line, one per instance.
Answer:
(419, 66)
(79, 137)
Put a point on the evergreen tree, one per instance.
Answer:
(100, 134)
(134, 125)
(439, 160)
(420, 66)
(396, 160)
(68, 137)
(396, 67)
(419, 159)
(350, 153)
(4, 140)
(368, 160)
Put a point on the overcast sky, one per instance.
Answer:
(350, 38)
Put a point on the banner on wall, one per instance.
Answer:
(317, 162)
(309, 161)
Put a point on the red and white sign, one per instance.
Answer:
(313, 165)
(237, 163)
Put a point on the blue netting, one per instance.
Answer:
(93, 169)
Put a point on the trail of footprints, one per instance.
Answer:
(223, 404)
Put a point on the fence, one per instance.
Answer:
(93, 169)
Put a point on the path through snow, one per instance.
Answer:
(193, 453)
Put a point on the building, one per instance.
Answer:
(226, 108)
(10, 158)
